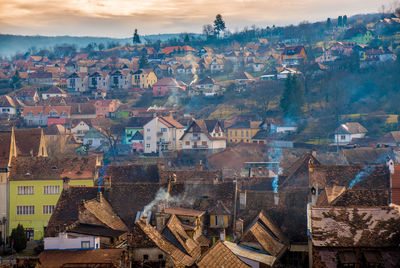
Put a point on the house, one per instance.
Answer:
(94, 139)
(243, 78)
(144, 78)
(59, 140)
(345, 133)
(98, 81)
(284, 72)
(77, 83)
(35, 184)
(27, 94)
(293, 55)
(207, 87)
(278, 126)
(166, 86)
(220, 255)
(10, 106)
(204, 135)
(41, 78)
(326, 57)
(366, 237)
(14, 144)
(217, 65)
(71, 67)
(84, 258)
(162, 133)
(168, 51)
(45, 115)
(134, 125)
(79, 129)
(120, 80)
(54, 91)
(243, 131)
(390, 139)
(104, 108)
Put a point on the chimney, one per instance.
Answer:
(314, 195)
(276, 199)
(99, 196)
(66, 184)
(107, 183)
(201, 165)
(160, 220)
(314, 153)
(239, 228)
(143, 218)
(310, 166)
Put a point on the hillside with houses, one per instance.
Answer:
(267, 147)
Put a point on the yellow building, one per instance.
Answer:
(35, 184)
(243, 131)
(144, 78)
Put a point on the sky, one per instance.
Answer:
(118, 18)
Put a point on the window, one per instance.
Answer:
(160, 256)
(247, 133)
(204, 143)
(85, 244)
(148, 130)
(48, 209)
(25, 190)
(242, 133)
(147, 145)
(342, 137)
(148, 138)
(25, 210)
(163, 129)
(235, 133)
(187, 142)
(145, 257)
(51, 189)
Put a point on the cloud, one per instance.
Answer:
(117, 18)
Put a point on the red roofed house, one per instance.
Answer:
(105, 107)
(161, 134)
(167, 85)
(177, 49)
(46, 115)
(295, 55)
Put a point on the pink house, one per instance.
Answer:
(105, 107)
(167, 85)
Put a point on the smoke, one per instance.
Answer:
(102, 171)
(161, 196)
(275, 155)
(365, 172)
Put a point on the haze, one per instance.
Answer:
(118, 18)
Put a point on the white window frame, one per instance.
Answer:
(25, 190)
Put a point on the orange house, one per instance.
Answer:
(105, 107)
(293, 55)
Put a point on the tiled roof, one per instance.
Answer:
(170, 122)
(184, 212)
(355, 227)
(264, 232)
(351, 128)
(36, 110)
(367, 156)
(82, 258)
(134, 173)
(391, 137)
(193, 176)
(167, 81)
(219, 256)
(34, 168)
(67, 208)
(54, 90)
(176, 234)
(7, 101)
(159, 241)
(95, 230)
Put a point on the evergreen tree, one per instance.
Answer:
(186, 38)
(16, 80)
(293, 97)
(18, 237)
(143, 63)
(344, 20)
(136, 38)
(328, 23)
(340, 21)
(219, 24)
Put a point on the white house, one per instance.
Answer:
(8, 105)
(77, 83)
(54, 91)
(94, 139)
(207, 87)
(67, 242)
(345, 133)
(80, 129)
(161, 134)
(204, 134)
(285, 72)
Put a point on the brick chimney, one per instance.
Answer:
(66, 183)
(107, 183)
(395, 185)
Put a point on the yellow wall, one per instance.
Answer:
(38, 220)
(236, 135)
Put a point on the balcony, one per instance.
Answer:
(199, 146)
(194, 138)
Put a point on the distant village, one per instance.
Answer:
(134, 156)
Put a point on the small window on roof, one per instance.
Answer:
(54, 168)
